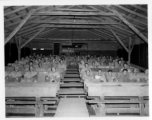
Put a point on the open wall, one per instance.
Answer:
(11, 53)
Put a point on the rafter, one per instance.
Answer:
(74, 22)
(122, 29)
(19, 26)
(76, 10)
(32, 37)
(103, 36)
(73, 26)
(16, 10)
(130, 25)
(18, 16)
(104, 33)
(41, 34)
(140, 8)
(74, 13)
(44, 32)
(114, 34)
(130, 11)
(73, 40)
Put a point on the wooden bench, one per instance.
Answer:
(119, 98)
(31, 97)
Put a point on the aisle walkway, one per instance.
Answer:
(72, 85)
(72, 107)
(69, 106)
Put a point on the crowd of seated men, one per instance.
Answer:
(29, 68)
(109, 70)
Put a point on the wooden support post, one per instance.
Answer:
(18, 40)
(19, 26)
(130, 26)
(129, 48)
(102, 108)
(114, 34)
(19, 48)
(141, 105)
(133, 43)
(33, 37)
(39, 111)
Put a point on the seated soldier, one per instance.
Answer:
(92, 65)
(116, 65)
(30, 76)
(87, 76)
(124, 77)
(100, 77)
(125, 67)
(111, 65)
(15, 75)
(144, 77)
(111, 77)
(7, 75)
(84, 69)
(39, 68)
(53, 76)
(15, 63)
(134, 77)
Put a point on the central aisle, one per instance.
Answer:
(72, 107)
(71, 104)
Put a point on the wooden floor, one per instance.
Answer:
(72, 107)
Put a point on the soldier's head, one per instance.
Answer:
(125, 65)
(99, 71)
(31, 68)
(125, 71)
(136, 70)
(53, 69)
(40, 64)
(146, 72)
(16, 61)
(16, 68)
(109, 72)
(30, 63)
(86, 65)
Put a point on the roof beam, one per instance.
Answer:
(114, 34)
(104, 33)
(130, 26)
(16, 10)
(116, 26)
(140, 8)
(132, 12)
(74, 13)
(44, 32)
(105, 37)
(75, 22)
(32, 37)
(128, 17)
(72, 26)
(69, 39)
(76, 10)
(12, 18)
(18, 16)
(19, 26)
(14, 23)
